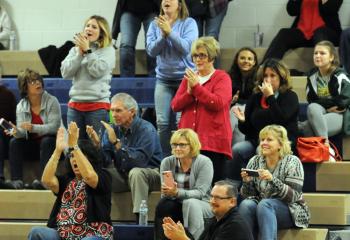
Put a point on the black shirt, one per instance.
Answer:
(230, 227)
(141, 6)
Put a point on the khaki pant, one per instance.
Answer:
(140, 182)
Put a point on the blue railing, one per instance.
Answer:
(142, 89)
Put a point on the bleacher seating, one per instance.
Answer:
(329, 201)
(15, 61)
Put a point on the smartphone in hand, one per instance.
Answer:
(251, 172)
(168, 178)
(6, 125)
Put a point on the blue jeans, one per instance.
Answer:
(163, 94)
(44, 233)
(92, 118)
(22, 150)
(4, 149)
(210, 26)
(130, 25)
(267, 216)
(344, 49)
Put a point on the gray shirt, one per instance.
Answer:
(91, 74)
(200, 178)
(50, 113)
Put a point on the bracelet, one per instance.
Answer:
(116, 141)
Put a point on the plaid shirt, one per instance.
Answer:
(182, 178)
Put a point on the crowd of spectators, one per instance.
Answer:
(226, 123)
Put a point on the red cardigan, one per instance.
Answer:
(207, 111)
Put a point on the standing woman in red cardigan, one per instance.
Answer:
(204, 98)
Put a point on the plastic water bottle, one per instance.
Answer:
(12, 40)
(143, 213)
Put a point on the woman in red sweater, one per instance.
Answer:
(204, 98)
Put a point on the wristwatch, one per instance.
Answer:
(87, 51)
(71, 149)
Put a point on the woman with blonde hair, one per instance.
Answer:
(273, 198)
(185, 199)
(89, 64)
(169, 39)
(328, 94)
(203, 99)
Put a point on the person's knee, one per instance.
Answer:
(137, 174)
(313, 109)
(190, 203)
(47, 142)
(283, 33)
(36, 233)
(265, 205)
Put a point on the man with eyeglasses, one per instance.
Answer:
(226, 223)
(132, 150)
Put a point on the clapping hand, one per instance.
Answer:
(238, 113)
(93, 135)
(192, 79)
(73, 134)
(112, 137)
(163, 24)
(61, 144)
(174, 231)
(82, 42)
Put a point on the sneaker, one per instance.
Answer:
(36, 184)
(15, 184)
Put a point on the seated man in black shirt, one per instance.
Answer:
(226, 224)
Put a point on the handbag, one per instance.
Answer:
(314, 150)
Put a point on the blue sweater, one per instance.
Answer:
(173, 53)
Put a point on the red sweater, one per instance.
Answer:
(207, 111)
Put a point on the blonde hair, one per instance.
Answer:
(209, 44)
(191, 137)
(280, 133)
(182, 10)
(105, 38)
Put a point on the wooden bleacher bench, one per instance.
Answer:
(22, 209)
(14, 61)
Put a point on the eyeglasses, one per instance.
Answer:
(219, 198)
(180, 145)
(201, 56)
(33, 81)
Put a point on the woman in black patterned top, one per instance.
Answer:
(83, 205)
(274, 199)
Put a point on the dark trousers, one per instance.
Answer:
(4, 148)
(344, 49)
(290, 38)
(22, 150)
(219, 161)
(166, 208)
